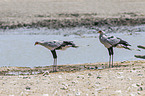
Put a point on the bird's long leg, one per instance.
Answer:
(55, 64)
(109, 60)
(55, 60)
(112, 60)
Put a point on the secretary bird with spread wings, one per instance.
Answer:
(111, 41)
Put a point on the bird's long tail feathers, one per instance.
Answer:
(81, 46)
(129, 48)
(75, 46)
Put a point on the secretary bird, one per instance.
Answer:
(111, 41)
(56, 45)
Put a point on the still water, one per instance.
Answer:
(17, 47)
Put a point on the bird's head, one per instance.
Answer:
(100, 31)
(36, 43)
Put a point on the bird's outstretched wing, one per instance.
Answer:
(66, 44)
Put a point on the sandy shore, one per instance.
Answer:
(70, 13)
(126, 78)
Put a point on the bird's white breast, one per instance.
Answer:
(103, 40)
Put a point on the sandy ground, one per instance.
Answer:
(127, 79)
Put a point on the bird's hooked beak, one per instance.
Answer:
(36, 43)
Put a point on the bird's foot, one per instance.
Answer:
(53, 71)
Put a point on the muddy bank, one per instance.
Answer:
(64, 68)
(67, 22)
(45, 69)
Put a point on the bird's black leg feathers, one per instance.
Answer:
(55, 60)
(109, 51)
(109, 56)
(54, 54)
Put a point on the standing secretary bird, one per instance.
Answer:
(56, 45)
(112, 41)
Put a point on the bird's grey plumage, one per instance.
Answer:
(112, 41)
(56, 45)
